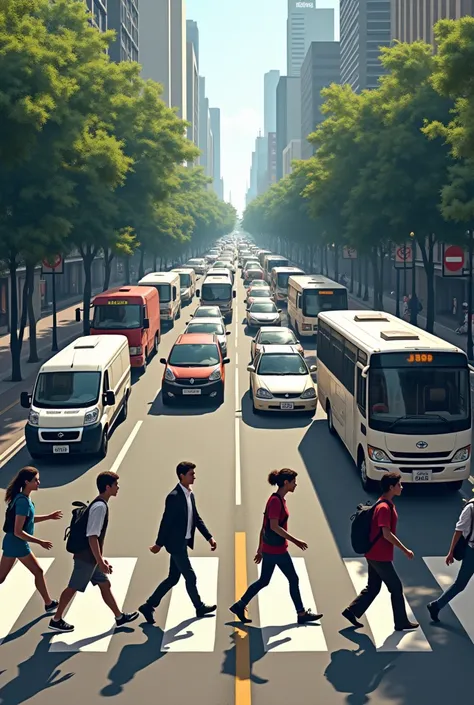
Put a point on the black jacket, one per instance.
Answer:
(172, 532)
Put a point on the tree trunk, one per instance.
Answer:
(321, 259)
(359, 283)
(141, 266)
(15, 347)
(30, 278)
(311, 257)
(127, 270)
(351, 289)
(381, 289)
(336, 263)
(430, 276)
(24, 313)
(154, 262)
(161, 264)
(366, 278)
(108, 258)
(377, 280)
(87, 260)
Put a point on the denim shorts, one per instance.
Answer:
(84, 573)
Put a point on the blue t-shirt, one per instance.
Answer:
(12, 545)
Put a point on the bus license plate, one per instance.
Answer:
(57, 450)
(421, 475)
(193, 392)
(287, 405)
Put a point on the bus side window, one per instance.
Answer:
(361, 392)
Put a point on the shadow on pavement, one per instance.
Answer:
(270, 419)
(191, 407)
(54, 473)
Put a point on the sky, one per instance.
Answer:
(239, 41)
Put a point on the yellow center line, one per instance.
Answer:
(243, 693)
(4, 411)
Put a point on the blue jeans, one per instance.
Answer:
(466, 571)
(269, 562)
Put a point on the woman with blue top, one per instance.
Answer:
(20, 520)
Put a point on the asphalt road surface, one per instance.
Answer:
(213, 661)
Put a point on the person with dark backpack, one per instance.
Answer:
(85, 540)
(374, 533)
(273, 549)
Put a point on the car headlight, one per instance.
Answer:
(215, 375)
(378, 455)
(263, 394)
(310, 393)
(33, 418)
(169, 375)
(136, 351)
(91, 416)
(461, 455)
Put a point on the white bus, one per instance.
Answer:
(270, 261)
(398, 397)
(279, 281)
(308, 296)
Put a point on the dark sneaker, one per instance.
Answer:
(126, 618)
(52, 606)
(59, 625)
(433, 609)
(406, 627)
(147, 611)
(352, 618)
(205, 609)
(240, 611)
(308, 616)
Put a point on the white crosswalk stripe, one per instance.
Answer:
(462, 604)
(380, 615)
(183, 631)
(16, 592)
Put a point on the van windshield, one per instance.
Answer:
(164, 291)
(115, 315)
(67, 390)
(216, 292)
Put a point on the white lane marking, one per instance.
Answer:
(238, 470)
(462, 603)
(94, 622)
(471, 479)
(278, 623)
(16, 592)
(183, 631)
(237, 391)
(126, 447)
(7, 455)
(380, 615)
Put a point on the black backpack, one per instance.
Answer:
(76, 533)
(10, 515)
(361, 526)
(270, 537)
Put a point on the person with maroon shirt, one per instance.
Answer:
(380, 558)
(273, 549)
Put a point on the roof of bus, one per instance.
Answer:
(217, 279)
(314, 281)
(284, 270)
(377, 331)
(158, 278)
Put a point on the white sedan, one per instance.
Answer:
(263, 313)
(274, 335)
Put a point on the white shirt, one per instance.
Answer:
(187, 494)
(95, 521)
(465, 522)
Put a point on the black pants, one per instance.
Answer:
(180, 565)
(269, 562)
(382, 572)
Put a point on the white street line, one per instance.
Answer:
(278, 623)
(461, 605)
(238, 470)
(184, 632)
(16, 592)
(380, 615)
(6, 456)
(471, 479)
(238, 402)
(94, 622)
(119, 459)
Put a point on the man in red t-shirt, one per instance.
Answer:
(380, 558)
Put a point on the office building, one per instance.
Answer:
(261, 149)
(122, 16)
(291, 152)
(192, 35)
(414, 19)
(252, 190)
(271, 158)
(178, 57)
(98, 10)
(206, 158)
(288, 117)
(192, 97)
(270, 83)
(305, 24)
(215, 118)
(365, 27)
(321, 67)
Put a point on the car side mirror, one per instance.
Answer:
(227, 332)
(254, 340)
(78, 315)
(146, 323)
(109, 398)
(226, 361)
(313, 368)
(163, 361)
(250, 368)
(279, 310)
(25, 400)
(234, 294)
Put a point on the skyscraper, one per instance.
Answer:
(178, 57)
(414, 19)
(305, 24)
(215, 117)
(205, 132)
(192, 35)
(288, 117)
(98, 10)
(122, 16)
(270, 83)
(192, 98)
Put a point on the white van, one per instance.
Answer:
(169, 289)
(78, 396)
(187, 280)
(218, 291)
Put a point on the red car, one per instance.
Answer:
(258, 294)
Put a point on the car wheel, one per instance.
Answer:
(145, 361)
(155, 344)
(124, 412)
(178, 315)
(331, 428)
(104, 445)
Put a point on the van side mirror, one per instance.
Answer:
(227, 332)
(163, 361)
(251, 368)
(78, 315)
(226, 361)
(109, 398)
(146, 323)
(25, 400)
(198, 292)
(234, 294)
(313, 368)
(174, 293)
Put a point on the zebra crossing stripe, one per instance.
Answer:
(462, 604)
(183, 631)
(16, 592)
(93, 620)
(280, 631)
(380, 615)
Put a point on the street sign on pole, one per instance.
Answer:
(52, 264)
(403, 257)
(453, 261)
(349, 253)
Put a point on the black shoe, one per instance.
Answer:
(126, 618)
(147, 611)
(60, 626)
(205, 609)
(433, 609)
(308, 616)
(53, 605)
(352, 618)
(239, 610)
(407, 627)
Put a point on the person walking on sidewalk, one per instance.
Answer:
(176, 533)
(380, 559)
(272, 549)
(464, 528)
(19, 527)
(89, 564)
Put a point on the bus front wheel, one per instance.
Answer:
(368, 484)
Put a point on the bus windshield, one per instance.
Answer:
(116, 316)
(164, 291)
(216, 292)
(282, 279)
(276, 262)
(184, 280)
(317, 300)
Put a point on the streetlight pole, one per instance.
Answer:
(469, 300)
(414, 300)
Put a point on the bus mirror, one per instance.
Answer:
(234, 294)
(365, 372)
(198, 292)
(174, 293)
(78, 315)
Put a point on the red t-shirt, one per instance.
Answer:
(382, 550)
(276, 509)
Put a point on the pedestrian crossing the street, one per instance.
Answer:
(272, 611)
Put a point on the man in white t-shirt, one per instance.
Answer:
(90, 565)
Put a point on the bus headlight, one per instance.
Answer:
(378, 455)
(461, 455)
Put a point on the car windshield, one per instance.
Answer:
(216, 292)
(117, 315)
(208, 312)
(194, 355)
(263, 308)
(258, 284)
(282, 364)
(67, 390)
(277, 337)
(316, 300)
(184, 280)
(206, 327)
(259, 293)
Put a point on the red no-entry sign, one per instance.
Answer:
(453, 261)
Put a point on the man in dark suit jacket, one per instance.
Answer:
(176, 534)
